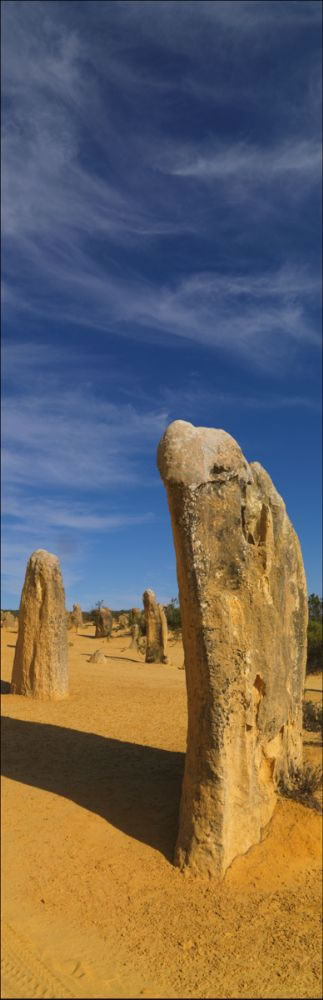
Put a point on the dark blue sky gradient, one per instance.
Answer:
(161, 231)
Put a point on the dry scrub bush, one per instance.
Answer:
(313, 716)
(301, 784)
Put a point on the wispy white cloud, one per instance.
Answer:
(179, 21)
(70, 464)
(50, 190)
(73, 515)
(196, 399)
(259, 316)
(242, 162)
(73, 439)
(63, 217)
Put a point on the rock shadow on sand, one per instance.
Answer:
(135, 788)
(5, 687)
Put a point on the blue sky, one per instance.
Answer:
(161, 236)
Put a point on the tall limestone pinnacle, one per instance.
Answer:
(244, 622)
(156, 629)
(40, 663)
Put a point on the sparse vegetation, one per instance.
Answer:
(314, 635)
(315, 607)
(314, 647)
(154, 653)
(301, 785)
(173, 615)
(313, 716)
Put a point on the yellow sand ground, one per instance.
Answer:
(91, 903)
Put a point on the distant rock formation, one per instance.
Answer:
(244, 619)
(123, 621)
(163, 633)
(103, 623)
(7, 619)
(156, 629)
(134, 637)
(97, 657)
(135, 616)
(40, 663)
(77, 617)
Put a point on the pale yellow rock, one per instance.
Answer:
(103, 623)
(97, 657)
(156, 629)
(123, 621)
(163, 633)
(134, 630)
(135, 615)
(40, 663)
(244, 620)
(7, 619)
(77, 617)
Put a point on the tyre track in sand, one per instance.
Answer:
(24, 975)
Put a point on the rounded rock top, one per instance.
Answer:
(43, 556)
(193, 455)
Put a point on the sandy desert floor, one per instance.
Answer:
(91, 904)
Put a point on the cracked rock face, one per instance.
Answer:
(156, 629)
(40, 664)
(244, 623)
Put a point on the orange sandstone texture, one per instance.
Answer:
(40, 663)
(156, 629)
(244, 619)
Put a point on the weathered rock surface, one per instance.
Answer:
(103, 623)
(40, 663)
(156, 629)
(97, 657)
(244, 619)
